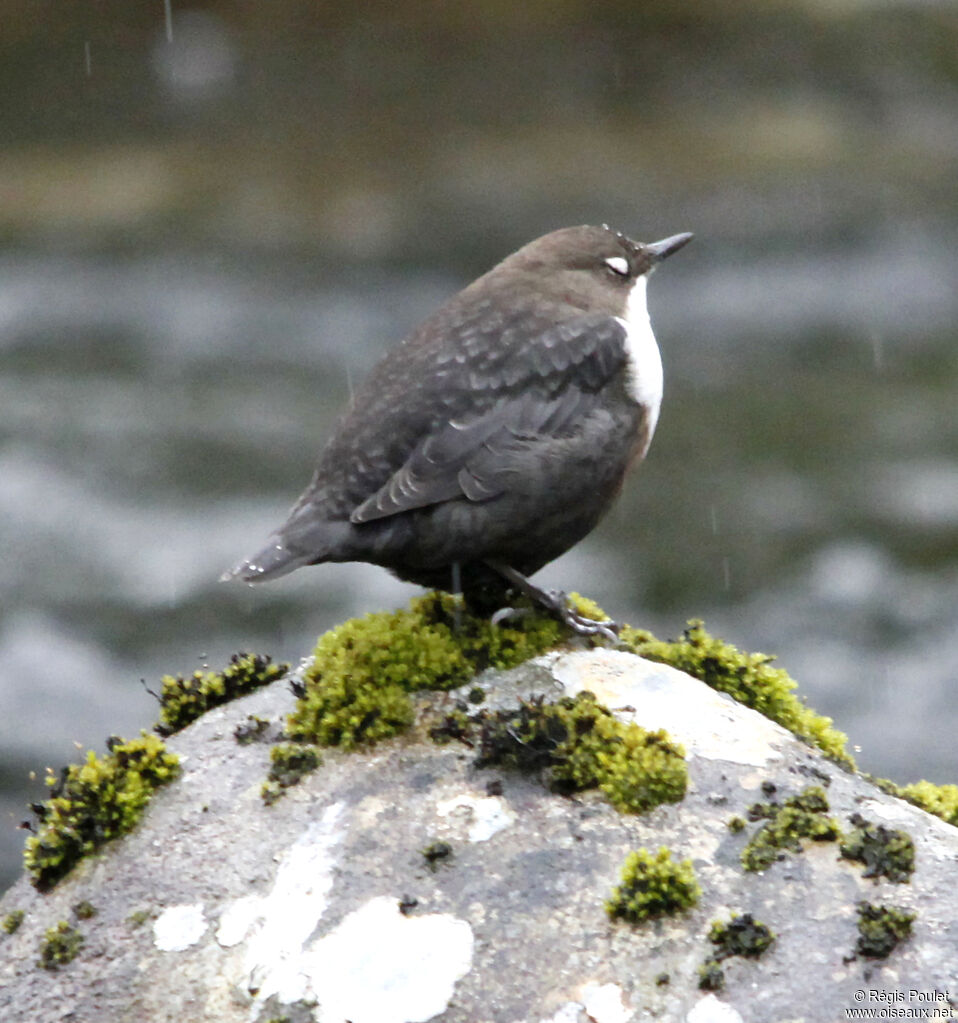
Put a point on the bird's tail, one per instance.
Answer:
(273, 561)
(304, 539)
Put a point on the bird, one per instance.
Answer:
(495, 436)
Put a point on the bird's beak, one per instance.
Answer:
(660, 250)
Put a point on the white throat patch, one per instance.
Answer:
(644, 361)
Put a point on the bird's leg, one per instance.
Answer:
(555, 602)
(457, 589)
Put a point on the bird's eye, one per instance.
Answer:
(618, 265)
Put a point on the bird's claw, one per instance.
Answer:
(583, 626)
(556, 603)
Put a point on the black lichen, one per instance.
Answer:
(184, 699)
(741, 936)
(886, 852)
(881, 929)
(436, 853)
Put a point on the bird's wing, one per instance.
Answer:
(533, 391)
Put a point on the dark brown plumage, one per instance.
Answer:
(495, 436)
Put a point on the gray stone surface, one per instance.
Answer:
(252, 906)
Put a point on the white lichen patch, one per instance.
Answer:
(238, 918)
(379, 966)
(276, 926)
(605, 1003)
(486, 815)
(710, 1010)
(707, 723)
(601, 1003)
(178, 927)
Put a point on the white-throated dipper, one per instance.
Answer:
(495, 436)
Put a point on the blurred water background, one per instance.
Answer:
(214, 217)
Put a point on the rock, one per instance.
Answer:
(324, 905)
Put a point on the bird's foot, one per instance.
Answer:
(555, 603)
(563, 609)
(559, 606)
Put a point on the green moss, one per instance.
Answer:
(881, 928)
(84, 910)
(711, 976)
(579, 744)
(741, 936)
(94, 802)
(60, 945)
(290, 762)
(587, 608)
(802, 816)
(139, 917)
(735, 824)
(886, 852)
(184, 699)
(653, 886)
(454, 725)
(940, 800)
(356, 690)
(748, 678)
(10, 924)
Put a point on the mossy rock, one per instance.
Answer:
(356, 691)
(94, 802)
(941, 800)
(185, 698)
(579, 744)
(748, 678)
